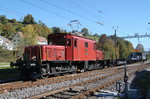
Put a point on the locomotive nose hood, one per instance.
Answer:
(45, 52)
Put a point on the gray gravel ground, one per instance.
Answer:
(28, 92)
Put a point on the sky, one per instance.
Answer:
(99, 16)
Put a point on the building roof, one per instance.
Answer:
(5, 40)
(21, 34)
(41, 39)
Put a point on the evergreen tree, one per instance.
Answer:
(3, 19)
(85, 32)
(56, 30)
(29, 19)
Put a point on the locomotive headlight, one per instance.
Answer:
(32, 64)
(29, 65)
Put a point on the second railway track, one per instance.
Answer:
(80, 90)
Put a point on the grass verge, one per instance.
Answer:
(144, 83)
(7, 73)
(4, 63)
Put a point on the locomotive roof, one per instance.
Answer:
(70, 34)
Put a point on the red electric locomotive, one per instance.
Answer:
(65, 53)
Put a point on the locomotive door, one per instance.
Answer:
(69, 49)
(76, 49)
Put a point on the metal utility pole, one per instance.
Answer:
(126, 81)
(115, 29)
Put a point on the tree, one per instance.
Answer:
(6, 55)
(96, 35)
(85, 32)
(8, 30)
(13, 21)
(93, 37)
(123, 50)
(129, 47)
(140, 47)
(42, 30)
(18, 26)
(1, 28)
(41, 23)
(3, 19)
(109, 49)
(107, 44)
(56, 30)
(29, 35)
(29, 19)
(102, 40)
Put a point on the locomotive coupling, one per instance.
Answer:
(16, 64)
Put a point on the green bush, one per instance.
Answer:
(6, 55)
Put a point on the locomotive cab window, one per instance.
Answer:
(56, 40)
(68, 42)
(86, 44)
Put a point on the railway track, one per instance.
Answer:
(56, 85)
(81, 90)
(20, 85)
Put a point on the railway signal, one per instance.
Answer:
(118, 87)
(126, 81)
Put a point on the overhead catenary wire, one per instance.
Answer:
(69, 11)
(46, 10)
(97, 22)
(14, 12)
(49, 11)
(10, 11)
(99, 11)
(100, 23)
(84, 9)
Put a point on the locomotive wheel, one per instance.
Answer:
(44, 73)
(73, 72)
(82, 70)
(35, 76)
(44, 76)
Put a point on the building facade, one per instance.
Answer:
(6, 44)
(17, 40)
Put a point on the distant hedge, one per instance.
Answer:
(6, 55)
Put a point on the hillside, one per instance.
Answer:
(30, 29)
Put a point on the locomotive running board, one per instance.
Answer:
(60, 72)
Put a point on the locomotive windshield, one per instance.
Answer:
(57, 40)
